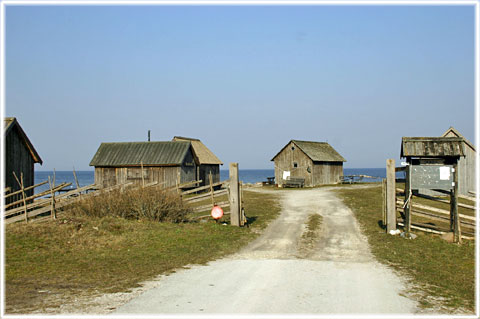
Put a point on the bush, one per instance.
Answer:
(134, 203)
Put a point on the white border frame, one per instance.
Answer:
(474, 3)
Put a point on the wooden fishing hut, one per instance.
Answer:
(168, 163)
(207, 162)
(20, 157)
(432, 164)
(466, 165)
(316, 163)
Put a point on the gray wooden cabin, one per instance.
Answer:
(207, 162)
(168, 163)
(317, 162)
(466, 164)
(20, 157)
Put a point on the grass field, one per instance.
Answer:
(51, 263)
(439, 269)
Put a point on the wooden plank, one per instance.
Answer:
(38, 195)
(205, 216)
(438, 210)
(441, 200)
(201, 197)
(63, 200)
(185, 185)
(432, 230)
(209, 206)
(47, 201)
(26, 189)
(191, 191)
(391, 196)
(434, 216)
(470, 198)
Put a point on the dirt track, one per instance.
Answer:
(280, 273)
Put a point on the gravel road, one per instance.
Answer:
(282, 273)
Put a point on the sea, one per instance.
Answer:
(250, 176)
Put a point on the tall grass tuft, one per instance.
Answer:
(134, 203)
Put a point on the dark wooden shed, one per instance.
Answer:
(317, 162)
(20, 157)
(168, 163)
(207, 162)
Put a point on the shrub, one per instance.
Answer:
(133, 203)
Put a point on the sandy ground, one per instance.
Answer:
(280, 272)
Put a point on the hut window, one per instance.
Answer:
(295, 164)
(309, 169)
(293, 148)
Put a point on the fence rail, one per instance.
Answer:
(462, 225)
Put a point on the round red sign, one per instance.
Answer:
(217, 212)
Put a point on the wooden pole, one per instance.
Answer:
(454, 208)
(242, 212)
(75, 176)
(52, 196)
(391, 196)
(408, 200)
(143, 178)
(22, 188)
(234, 195)
(210, 179)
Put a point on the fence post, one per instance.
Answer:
(234, 195)
(408, 200)
(52, 194)
(457, 233)
(391, 194)
(210, 180)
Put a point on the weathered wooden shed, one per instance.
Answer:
(207, 162)
(466, 164)
(20, 156)
(164, 162)
(317, 162)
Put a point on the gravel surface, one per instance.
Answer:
(335, 273)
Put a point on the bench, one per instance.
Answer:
(294, 182)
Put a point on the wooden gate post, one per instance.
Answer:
(408, 200)
(234, 195)
(457, 233)
(391, 194)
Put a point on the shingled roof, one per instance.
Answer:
(138, 153)
(11, 123)
(432, 147)
(452, 132)
(316, 151)
(201, 152)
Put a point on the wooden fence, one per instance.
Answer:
(429, 218)
(206, 197)
(45, 205)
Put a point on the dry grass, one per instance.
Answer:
(134, 203)
(51, 263)
(440, 269)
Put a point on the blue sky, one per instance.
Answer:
(243, 79)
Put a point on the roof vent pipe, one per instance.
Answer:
(149, 135)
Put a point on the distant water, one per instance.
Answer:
(245, 175)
